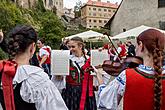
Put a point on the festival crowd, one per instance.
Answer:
(26, 81)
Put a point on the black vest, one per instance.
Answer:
(20, 104)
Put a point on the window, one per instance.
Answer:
(100, 21)
(94, 14)
(89, 8)
(89, 14)
(109, 10)
(99, 9)
(56, 3)
(60, 4)
(105, 21)
(114, 10)
(90, 20)
(95, 26)
(94, 21)
(105, 9)
(94, 9)
(162, 25)
(161, 3)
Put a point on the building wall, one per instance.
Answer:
(95, 16)
(48, 4)
(26, 3)
(59, 5)
(133, 13)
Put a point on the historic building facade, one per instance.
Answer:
(133, 13)
(95, 14)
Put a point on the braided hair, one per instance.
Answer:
(19, 39)
(154, 41)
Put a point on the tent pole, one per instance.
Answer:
(90, 44)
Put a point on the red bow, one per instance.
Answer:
(8, 73)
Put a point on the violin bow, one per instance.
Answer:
(110, 41)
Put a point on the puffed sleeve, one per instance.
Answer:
(41, 91)
(108, 94)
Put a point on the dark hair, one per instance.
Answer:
(20, 38)
(80, 42)
(154, 41)
(42, 40)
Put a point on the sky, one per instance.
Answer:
(72, 3)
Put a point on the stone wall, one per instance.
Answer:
(133, 13)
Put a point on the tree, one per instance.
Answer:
(52, 29)
(10, 16)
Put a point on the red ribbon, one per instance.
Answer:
(8, 73)
(87, 83)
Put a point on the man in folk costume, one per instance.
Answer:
(44, 56)
(121, 51)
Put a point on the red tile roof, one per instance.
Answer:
(101, 4)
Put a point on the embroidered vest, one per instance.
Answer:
(139, 92)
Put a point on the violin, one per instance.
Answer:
(114, 68)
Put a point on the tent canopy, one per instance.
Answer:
(88, 36)
(134, 32)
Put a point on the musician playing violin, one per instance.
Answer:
(143, 87)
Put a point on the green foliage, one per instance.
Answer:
(45, 22)
(52, 29)
(10, 16)
(3, 55)
(40, 6)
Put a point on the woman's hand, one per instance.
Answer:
(1, 35)
(98, 75)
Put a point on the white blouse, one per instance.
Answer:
(108, 94)
(43, 52)
(37, 88)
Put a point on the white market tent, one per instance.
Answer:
(134, 32)
(89, 36)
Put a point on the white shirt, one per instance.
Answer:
(119, 49)
(43, 52)
(107, 94)
(37, 88)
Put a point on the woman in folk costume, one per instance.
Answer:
(26, 87)
(79, 94)
(142, 88)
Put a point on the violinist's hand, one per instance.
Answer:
(98, 75)
(1, 35)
